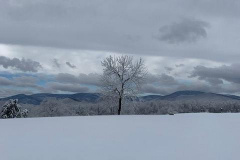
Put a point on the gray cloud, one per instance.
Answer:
(66, 87)
(155, 84)
(219, 8)
(26, 81)
(92, 79)
(80, 29)
(70, 65)
(56, 63)
(162, 79)
(61, 83)
(5, 81)
(21, 81)
(110, 26)
(67, 78)
(169, 69)
(88, 79)
(6, 92)
(167, 80)
(159, 84)
(25, 65)
(214, 81)
(19, 85)
(187, 30)
(194, 86)
(215, 75)
(168, 89)
(29, 84)
(149, 88)
(165, 84)
(179, 65)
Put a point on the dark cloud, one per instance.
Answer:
(70, 65)
(187, 30)
(230, 73)
(25, 65)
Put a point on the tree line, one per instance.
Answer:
(53, 107)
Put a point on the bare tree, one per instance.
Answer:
(122, 77)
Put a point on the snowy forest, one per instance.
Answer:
(53, 107)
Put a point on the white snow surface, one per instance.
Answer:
(163, 137)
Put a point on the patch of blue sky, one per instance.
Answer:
(185, 81)
(147, 94)
(92, 88)
(7, 75)
(43, 82)
(42, 79)
(11, 75)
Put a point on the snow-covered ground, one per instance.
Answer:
(178, 137)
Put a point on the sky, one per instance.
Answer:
(57, 46)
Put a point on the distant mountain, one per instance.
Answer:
(181, 94)
(150, 97)
(36, 99)
(194, 95)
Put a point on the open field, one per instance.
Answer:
(179, 137)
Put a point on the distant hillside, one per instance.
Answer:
(191, 95)
(36, 99)
(197, 95)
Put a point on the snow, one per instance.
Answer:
(179, 137)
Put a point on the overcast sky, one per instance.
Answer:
(57, 46)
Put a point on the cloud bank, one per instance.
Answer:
(25, 65)
(190, 45)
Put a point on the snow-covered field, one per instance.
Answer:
(178, 137)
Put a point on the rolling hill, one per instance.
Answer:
(36, 99)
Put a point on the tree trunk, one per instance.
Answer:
(119, 106)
